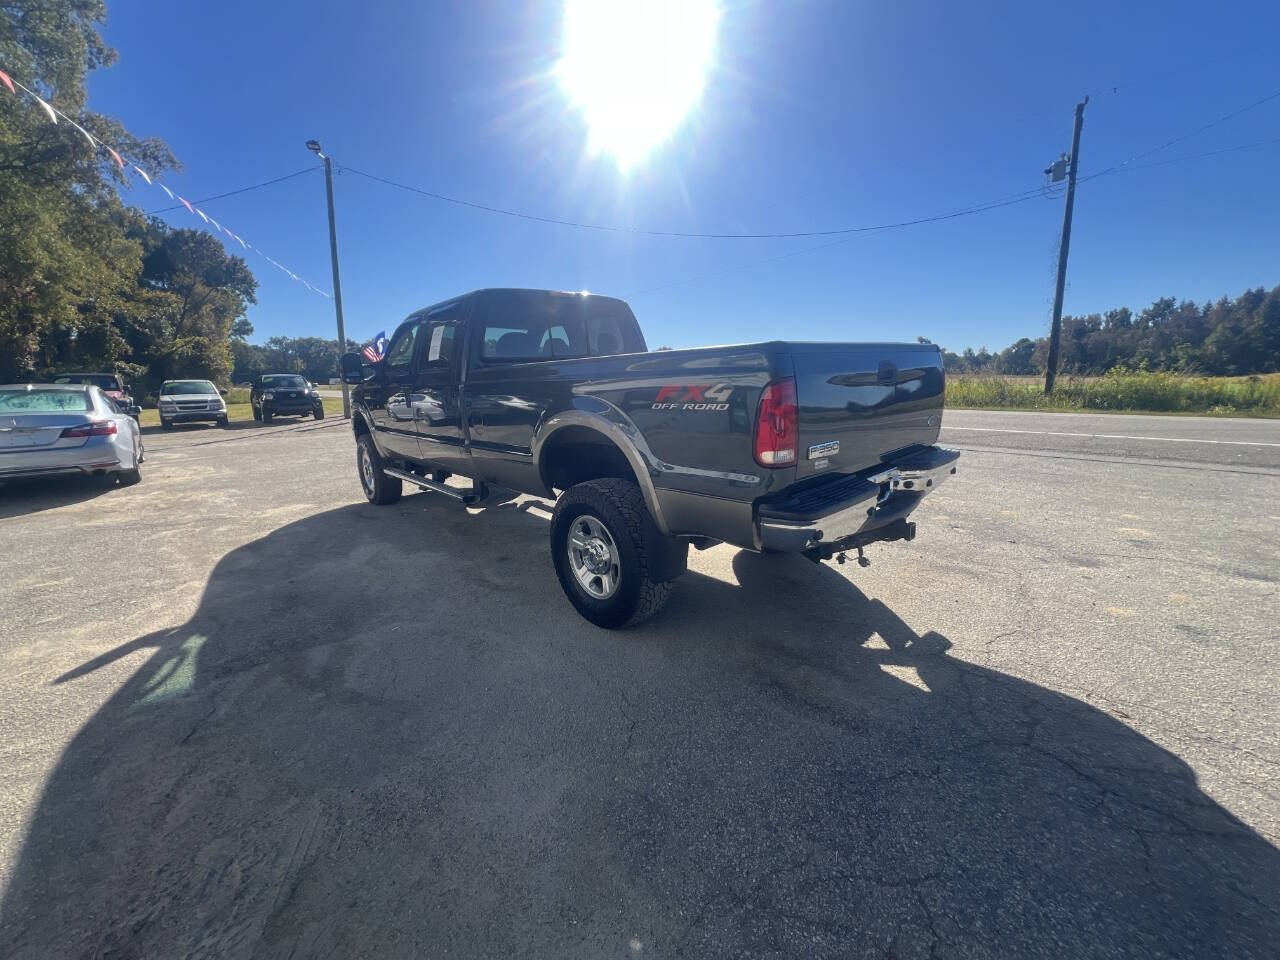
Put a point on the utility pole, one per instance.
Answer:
(1055, 332)
(314, 147)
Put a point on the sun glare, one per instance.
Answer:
(635, 68)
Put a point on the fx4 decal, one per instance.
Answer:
(694, 396)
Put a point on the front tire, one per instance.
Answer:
(600, 536)
(222, 422)
(165, 424)
(318, 413)
(266, 415)
(379, 489)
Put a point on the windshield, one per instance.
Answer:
(44, 401)
(105, 381)
(187, 386)
(284, 382)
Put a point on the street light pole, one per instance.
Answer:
(314, 147)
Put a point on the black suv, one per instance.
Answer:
(284, 395)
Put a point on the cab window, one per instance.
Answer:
(519, 325)
(400, 353)
(439, 338)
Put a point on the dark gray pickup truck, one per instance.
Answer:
(813, 448)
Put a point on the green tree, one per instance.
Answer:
(193, 294)
(65, 256)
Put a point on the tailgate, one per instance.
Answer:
(859, 403)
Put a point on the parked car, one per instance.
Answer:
(191, 401)
(284, 395)
(111, 384)
(806, 448)
(50, 429)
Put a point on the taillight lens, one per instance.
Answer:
(776, 428)
(101, 428)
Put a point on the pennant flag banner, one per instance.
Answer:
(54, 113)
(87, 135)
(47, 109)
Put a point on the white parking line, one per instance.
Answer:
(1113, 436)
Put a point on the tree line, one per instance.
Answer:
(313, 357)
(87, 282)
(1232, 337)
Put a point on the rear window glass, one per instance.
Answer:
(533, 325)
(284, 382)
(44, 401)
(104, 381)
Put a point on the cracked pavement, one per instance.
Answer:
(245, 714)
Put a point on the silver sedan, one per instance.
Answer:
(49, 429)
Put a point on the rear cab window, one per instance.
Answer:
(523, 326)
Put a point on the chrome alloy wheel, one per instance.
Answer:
(367, 469)
(594, 557)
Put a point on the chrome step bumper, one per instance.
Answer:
(863, 503)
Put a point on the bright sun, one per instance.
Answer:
(635, 68)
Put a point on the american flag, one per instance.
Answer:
(373, 352)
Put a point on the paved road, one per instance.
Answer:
(1236, 444)
(281, 722)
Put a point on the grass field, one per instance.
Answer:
(1133, 392)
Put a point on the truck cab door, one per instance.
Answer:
(387, 395)
(436, 398)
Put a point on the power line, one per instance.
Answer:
(1045, 192)
(609, 228)
(232, 193)
(981, 208)
(1186, 136)
(1195, 156)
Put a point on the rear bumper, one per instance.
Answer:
(857, 509)
(89, 458)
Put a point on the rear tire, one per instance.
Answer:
(379, 489)
(606, 578)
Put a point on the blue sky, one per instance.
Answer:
(816, 115)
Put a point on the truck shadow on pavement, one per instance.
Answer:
(385, 733)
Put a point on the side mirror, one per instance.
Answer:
(222, 391)
(352, 368)
(133, 410)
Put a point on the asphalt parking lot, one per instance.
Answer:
(245, 714)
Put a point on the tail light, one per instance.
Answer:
(776, 428)
(99, 428)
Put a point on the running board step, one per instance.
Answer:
(479, 491)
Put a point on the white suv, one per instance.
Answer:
(185, 401)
